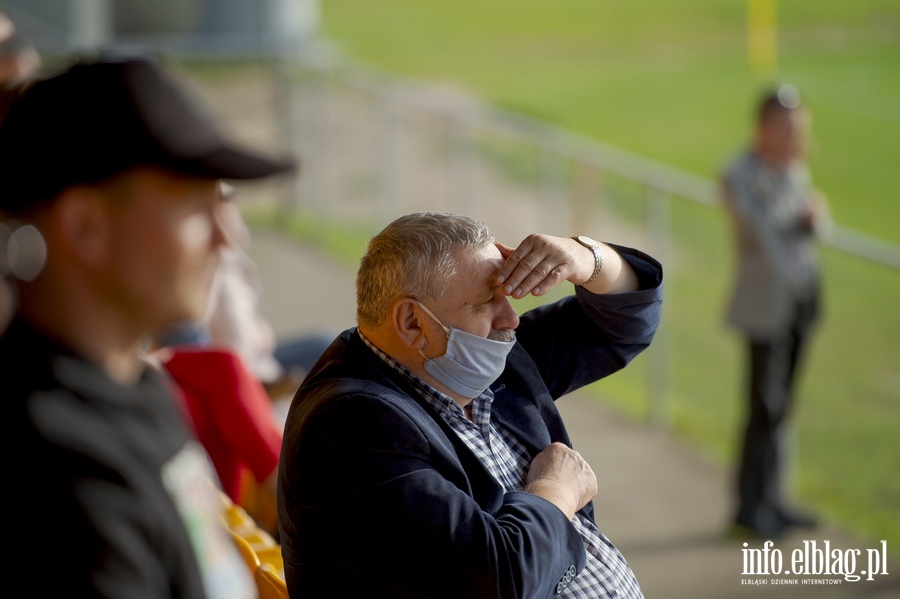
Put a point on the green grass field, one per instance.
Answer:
(666, 80)
(671, 81)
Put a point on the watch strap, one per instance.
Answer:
(598, 260)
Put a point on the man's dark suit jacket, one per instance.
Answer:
(378, 496)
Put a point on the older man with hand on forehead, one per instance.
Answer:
(423, 456)
(111, 186)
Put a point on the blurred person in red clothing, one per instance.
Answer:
(232, 416)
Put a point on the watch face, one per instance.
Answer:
(584, 239)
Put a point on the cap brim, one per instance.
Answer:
(229, 162)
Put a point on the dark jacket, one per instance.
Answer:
(379, 497)
(113, 494)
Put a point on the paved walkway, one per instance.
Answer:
(664, 507)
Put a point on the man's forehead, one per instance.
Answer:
(479, 270)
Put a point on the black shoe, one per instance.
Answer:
(772, 530)
(795, 518)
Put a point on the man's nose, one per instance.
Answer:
(507, 318)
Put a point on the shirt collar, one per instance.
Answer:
(443, 403)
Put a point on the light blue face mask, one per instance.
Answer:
(470, 364)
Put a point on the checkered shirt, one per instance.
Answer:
(606, 573)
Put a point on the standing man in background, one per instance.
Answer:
(776, 215)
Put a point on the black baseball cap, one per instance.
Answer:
(101, 117)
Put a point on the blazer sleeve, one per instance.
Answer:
(373, 494)
(587, 336)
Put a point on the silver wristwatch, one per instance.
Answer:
(594, 246)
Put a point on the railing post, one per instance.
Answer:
(285, 110)
(312, 185)
(385, 150)
(658, 226)
(552, 190)
(585, 192)
(464, 164)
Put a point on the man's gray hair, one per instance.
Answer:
(416, 255)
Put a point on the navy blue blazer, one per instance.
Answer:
(378, 496)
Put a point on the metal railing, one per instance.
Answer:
(375, 146)
(391, 95)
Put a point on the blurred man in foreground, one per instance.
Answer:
(111, 193)
(423, 456)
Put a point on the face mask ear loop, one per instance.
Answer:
(437, 320)
(433, 317)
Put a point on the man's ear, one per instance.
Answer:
(82, 220)
(407, 323)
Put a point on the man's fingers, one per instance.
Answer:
(529, 271)
(535, 267)
(540, 279)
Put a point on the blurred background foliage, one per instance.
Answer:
(668, 80)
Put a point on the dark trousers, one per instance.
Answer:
(773, 367)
